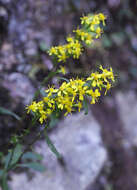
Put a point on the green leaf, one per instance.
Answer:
(14, 139)
(7, 159)
(26, 131)
(85, 105)
(53, 120)
(32, 156)
(34, 119)
(5, 183)
(63, 78)
(46, 79)
(16, 154)
(1, 155)
(1, 173)
(107, 42)
(33, 165)
(43, 46)
(42, 91)
(52, 147)
(7, 112)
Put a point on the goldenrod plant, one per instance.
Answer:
(71, 96)
(73, 93)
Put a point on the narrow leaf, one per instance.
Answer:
(1, 173)
(7, 159)
(7, 112)
(52, 147)
(53, 120)
(5, 183)
(16, 155)
(33, 165)
(32, 156)
(85, 105)
(46, 79)
(63, 78)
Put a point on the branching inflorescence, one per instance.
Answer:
(89, 31)
(70, 96)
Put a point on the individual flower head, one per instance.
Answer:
(102, 18)
(63, 70)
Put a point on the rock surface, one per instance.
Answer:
(20, 87)
(78, 139)
(127, 106)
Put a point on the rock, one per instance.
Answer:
(7, 59)
(134, 43)
(6, 1)
(113, 3)
(20, 87)
(31, 49)
(127, 106)
(78, 139)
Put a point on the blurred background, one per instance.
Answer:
(100, 149)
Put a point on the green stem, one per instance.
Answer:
(26, 149)
(46, 79)
(4, 181)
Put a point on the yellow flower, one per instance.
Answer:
(102, 18)
(94, 95)
(107, 74)
(33, 107)
(74, 47)
(95, 20)
(84, 36)
(108, 86)
(92, 27)
(43, 116)
(88, 39)
(63, 70)
(84, 19)
(53, 51)
(79, 106)
(51, 90)
(62, 57)
(68, 107)
(98, 32)
(70, 39)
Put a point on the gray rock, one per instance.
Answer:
(20, 87)
(7, 59)
(127, 106)
(31, 49)
(78, 139)
(113, 3)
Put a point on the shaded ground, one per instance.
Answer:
(122, 157)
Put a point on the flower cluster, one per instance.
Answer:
(72, 48)
(90, 30)
(93, 21)
(84, 36)
(71, 95)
